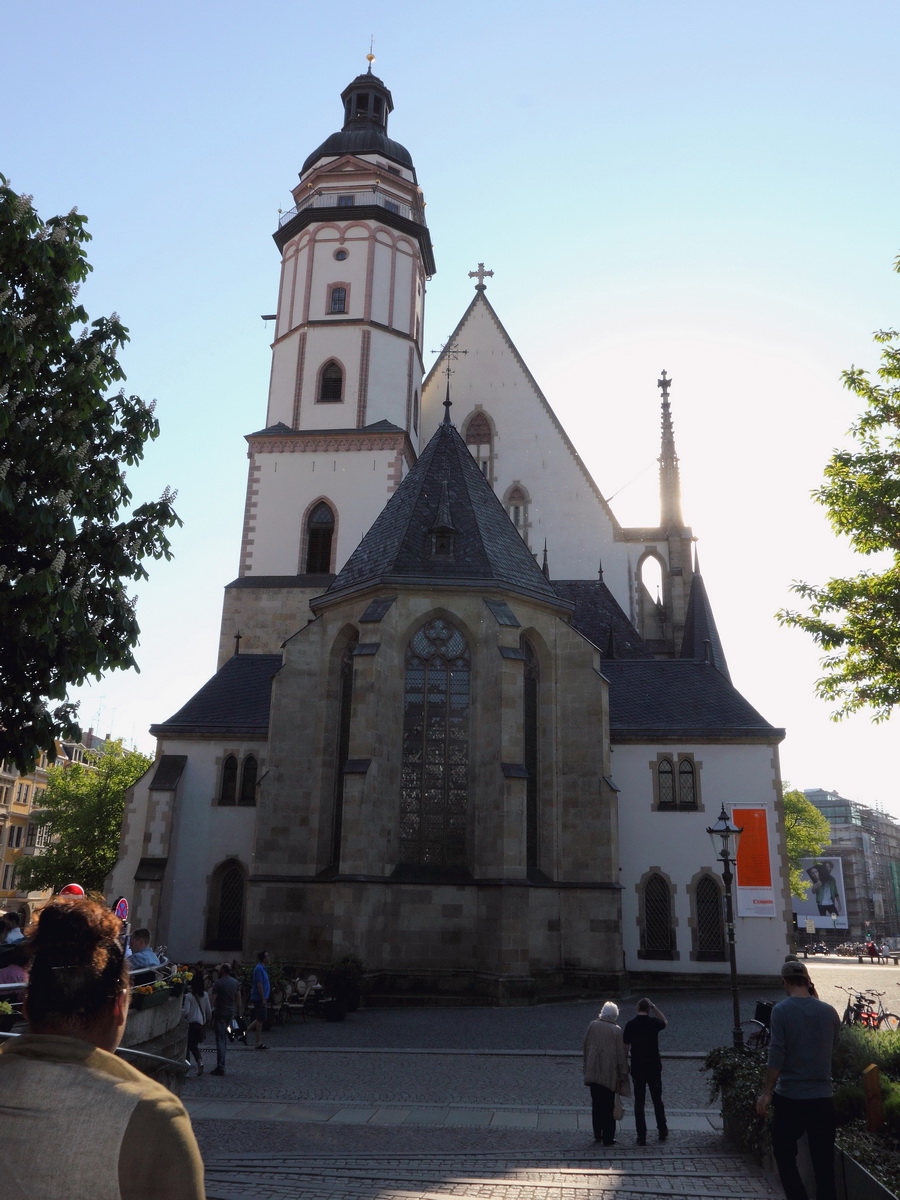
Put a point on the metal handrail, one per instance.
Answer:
(180, 1065)
(369, 196)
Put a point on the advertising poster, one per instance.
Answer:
(824, 894)
(755, 896)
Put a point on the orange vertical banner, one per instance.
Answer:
(755, 897)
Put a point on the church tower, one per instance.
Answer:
(342, 423)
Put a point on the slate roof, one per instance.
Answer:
(486, 545)
(659, 697)
(236, 700)
(701, 637)
(599, 618)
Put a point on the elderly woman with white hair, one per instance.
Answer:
(605, 1071)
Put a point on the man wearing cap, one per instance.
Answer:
(798, 1083)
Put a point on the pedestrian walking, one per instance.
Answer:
(641, 1037)
(198, 1011)
(799, 1085)
(259, 997)
(605, 1072)
(224, 999)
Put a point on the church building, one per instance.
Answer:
(451, 730)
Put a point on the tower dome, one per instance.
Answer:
(367, 103)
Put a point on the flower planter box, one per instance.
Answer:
(855, 1183)
(142, 1000)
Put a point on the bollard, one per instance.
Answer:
(874, 1108)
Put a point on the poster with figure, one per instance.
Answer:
(755, 895)
(824, 902)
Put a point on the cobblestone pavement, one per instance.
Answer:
(360, 1108)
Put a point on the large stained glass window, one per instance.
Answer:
(435, 781)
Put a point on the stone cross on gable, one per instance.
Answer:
(480, 276)
(665, 384)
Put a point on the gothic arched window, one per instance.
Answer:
(248, 781)
(531, 755)
(480, 440)
(342, 747)
(687, 792)
(435, 773)
(225, 907)
(708, 920)
(665, 777)
(517, 507)
(331, 383)
(228, 788)
(657, 932)
(319, 536)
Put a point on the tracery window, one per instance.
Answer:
(709, 922)
(657, 931)
(517, 507)
(676, 782)
(331, 383)
(480, 440)
(531, 757)
(435, 773)
(225, 909)
(319, 536)
(228, 788)
(687, 797)
(342, 747)
(666, 783)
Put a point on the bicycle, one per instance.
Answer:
(861, 1010)
(757, 1031)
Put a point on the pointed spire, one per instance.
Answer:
(545, 566)
(599, 570)
(701, 640)
(669, 479)
(447, 404)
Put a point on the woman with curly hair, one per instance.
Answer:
(78, 1122)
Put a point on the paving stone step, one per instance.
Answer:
(632, 1173)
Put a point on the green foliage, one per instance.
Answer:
(856, 621)
(82, 807)
(65, 547)
(738, 1078)
(806, 832)
(858, 1047)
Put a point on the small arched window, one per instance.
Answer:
(248, 782)
(331, 384)
(665, 776)
(687, 792)
(480, 440)
(319, 537)
(517, 507)
(657, 933)
(228, 789)
(338, 300)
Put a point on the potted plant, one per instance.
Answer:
(343, 980)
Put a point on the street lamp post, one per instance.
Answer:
(725, 837)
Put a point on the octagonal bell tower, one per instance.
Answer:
(342, 424)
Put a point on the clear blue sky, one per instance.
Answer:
(703, 187)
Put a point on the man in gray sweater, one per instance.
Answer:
(798, 1083)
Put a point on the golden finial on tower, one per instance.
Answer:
(370, 57)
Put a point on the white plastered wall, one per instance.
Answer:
(678, 845)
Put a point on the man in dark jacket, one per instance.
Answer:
(641, 1035)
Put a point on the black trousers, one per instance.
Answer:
(602, 1101)
(791, 1119)
(642, 1081)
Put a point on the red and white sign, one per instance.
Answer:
(755, 895)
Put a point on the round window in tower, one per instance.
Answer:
(340, 255)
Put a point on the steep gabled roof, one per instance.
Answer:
(445, 488)
(235, 701)
(599, 618)
(480, 300)
(666, 698)
(701, 640)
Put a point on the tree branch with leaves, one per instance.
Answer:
(68, 542)
(856, 620)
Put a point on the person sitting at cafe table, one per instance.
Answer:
(141, 953)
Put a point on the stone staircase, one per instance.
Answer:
(623, 1172)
